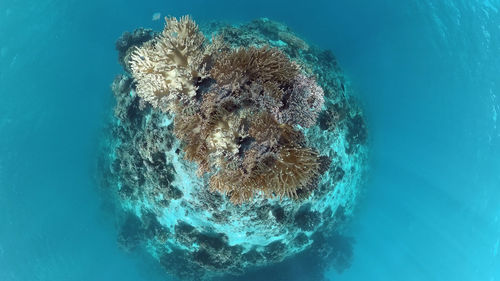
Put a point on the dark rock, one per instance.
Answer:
(179, 263)
(253, 257)
(327, 213)
(175, 193)
(220, 217)
(130, 233)
(279, 213)
(274, 252)
(300, 240)
(126, 191)
(340, 215)
(332, 117)
(215, 241)
(206, 260)
(334, 249)
(306, 219)
(152, 226)
(338, 174)
(158, 160)
(324, 164)
(185, 233)
(263, 212)
(356, 133)
(214, 252)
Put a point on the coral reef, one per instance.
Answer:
(215, 121)
(233, 152)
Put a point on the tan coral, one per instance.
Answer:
(265, 129)
(281, 174)
(267, 66)
(188, 129)
(223, 136)
(166, 68)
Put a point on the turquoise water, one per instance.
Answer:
(427, 74)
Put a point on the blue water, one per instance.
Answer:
(427, 73)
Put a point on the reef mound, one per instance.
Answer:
(243, 148)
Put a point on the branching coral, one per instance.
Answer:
(266, 66)
(236, 111)
(265, 129)
(274, 174)
(167, 68)
(304, 103)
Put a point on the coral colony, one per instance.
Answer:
(232, 147)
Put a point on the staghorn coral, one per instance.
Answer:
(235, 109)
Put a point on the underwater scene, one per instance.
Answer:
(253, 140)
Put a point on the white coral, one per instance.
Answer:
(166, 68)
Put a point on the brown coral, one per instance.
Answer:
(235, 111)
(273, 174)
(265, 129)
(188, 129)
(267, 66)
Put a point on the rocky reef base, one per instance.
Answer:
(196, 234)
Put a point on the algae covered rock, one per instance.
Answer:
(232, 148)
